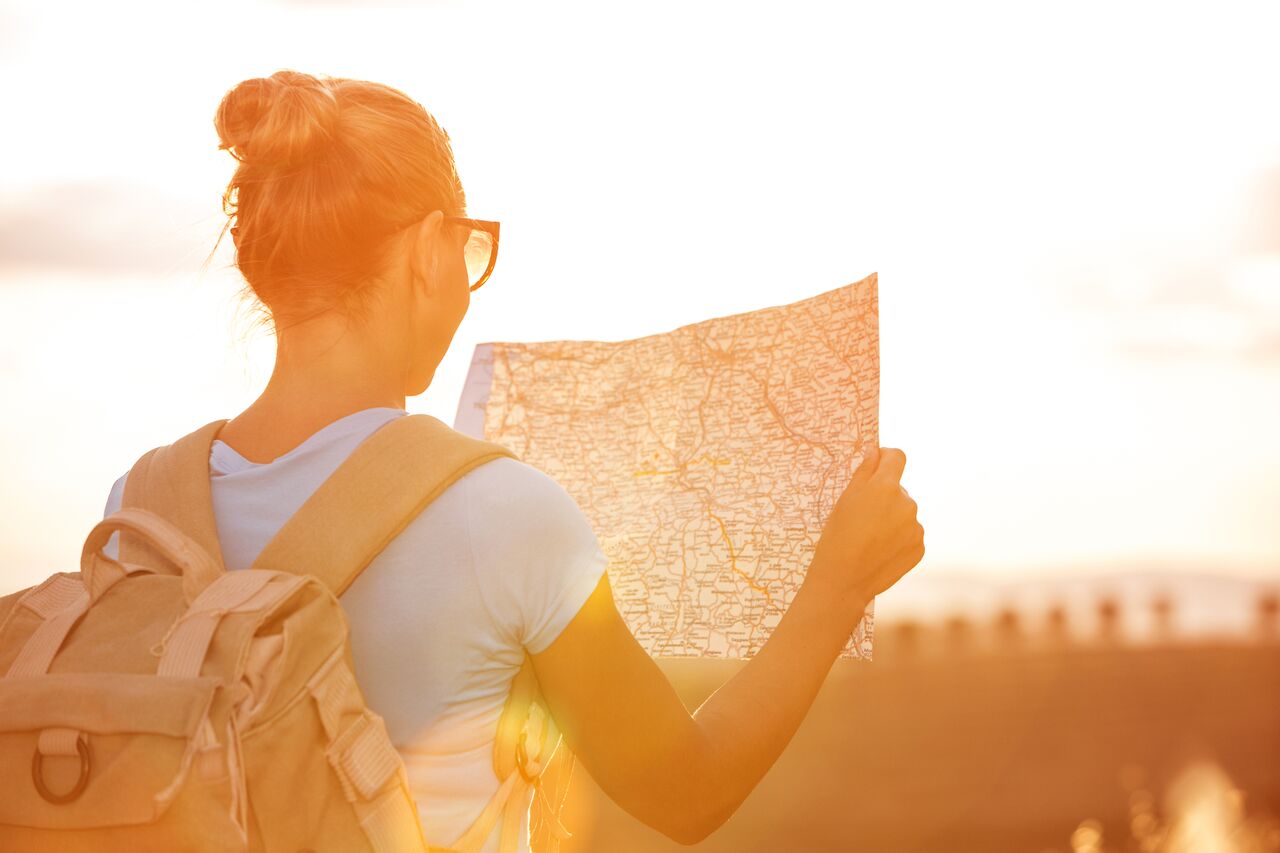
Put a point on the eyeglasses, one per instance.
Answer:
(481, 251)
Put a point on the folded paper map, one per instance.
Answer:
(707, 458)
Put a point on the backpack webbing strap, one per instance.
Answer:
(372, 496)
(173, 482)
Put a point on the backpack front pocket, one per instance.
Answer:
(84, 750)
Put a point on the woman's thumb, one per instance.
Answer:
(870, 461)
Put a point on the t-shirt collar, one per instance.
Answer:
(223, 459)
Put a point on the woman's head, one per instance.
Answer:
(331, 174)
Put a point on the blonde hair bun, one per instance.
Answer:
(286, 119)
(328, 171)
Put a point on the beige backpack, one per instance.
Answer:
(161, 703)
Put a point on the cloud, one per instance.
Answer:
(1262, 351)
(1203, 335)
(1264, 348)
(1199, 286)
(1261, 229)
(1234, 272)
(1189, 299)
(99, 228)
(1223, 309)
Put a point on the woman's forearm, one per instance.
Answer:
(747, 723)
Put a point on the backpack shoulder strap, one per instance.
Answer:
(173, 482)
(370, 498)
(387, 480)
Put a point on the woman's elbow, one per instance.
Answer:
(698, 810)
(700, 826)
(690, 832)
(682, 816)
(680, 790)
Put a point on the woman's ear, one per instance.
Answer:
(423, 261)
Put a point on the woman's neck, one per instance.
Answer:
(322, 373)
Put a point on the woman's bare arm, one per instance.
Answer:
(683, 774)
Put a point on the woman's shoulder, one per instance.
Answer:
(510, 489)
(534, 551)
(518, 511)
(512, 471)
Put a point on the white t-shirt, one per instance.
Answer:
(503, 559)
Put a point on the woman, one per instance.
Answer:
(344, 202)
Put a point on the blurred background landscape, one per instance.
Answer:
(1075, 218)
(1113, 724)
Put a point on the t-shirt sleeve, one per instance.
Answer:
(535, 554)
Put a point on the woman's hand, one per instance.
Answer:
(872, 537)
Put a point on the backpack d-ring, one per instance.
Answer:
(37, 775)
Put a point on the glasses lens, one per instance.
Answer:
(478, 252)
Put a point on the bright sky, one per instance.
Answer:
(1075, 219)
